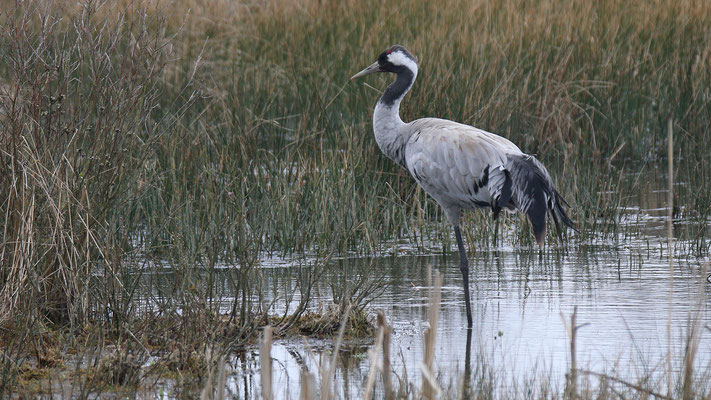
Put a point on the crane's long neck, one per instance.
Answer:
(391, 133)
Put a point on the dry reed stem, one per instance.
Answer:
(307, 385)
(571, 385)
(642, 390)
(217, 391)
(265, 363)
(328, 372)
(429, 381)
(308, 380)
(670, 244)
(222, 380)
(374, 365)
(386, 368)
(692, 338)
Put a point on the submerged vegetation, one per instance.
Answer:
(196, 138)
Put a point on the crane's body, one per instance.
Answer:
(461, 167)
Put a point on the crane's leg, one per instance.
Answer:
(464, 267)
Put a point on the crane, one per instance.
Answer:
(461, 167)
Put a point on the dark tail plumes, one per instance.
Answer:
(535, 196)
(504, 197)
(558, 213)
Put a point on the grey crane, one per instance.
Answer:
(461, 167)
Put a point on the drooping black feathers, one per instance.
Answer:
(534, 194)
(505, 197)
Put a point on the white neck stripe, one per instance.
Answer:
(399, 58)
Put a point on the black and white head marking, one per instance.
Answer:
(397, 59)
(400, 62)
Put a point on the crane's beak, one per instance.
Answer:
(371, 69)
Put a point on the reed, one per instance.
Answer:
(670, 243)
(430, 388)
(571, 385)
(386, 367)
(265, 364)
(693, 333)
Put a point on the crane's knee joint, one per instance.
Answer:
(464, 267)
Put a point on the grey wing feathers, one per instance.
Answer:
(457, 164)
(462, 167)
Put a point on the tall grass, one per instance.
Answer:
(578, 84)
(78, 125)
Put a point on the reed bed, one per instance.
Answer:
(187, 136)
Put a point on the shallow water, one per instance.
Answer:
(621, 288)
(518, 298)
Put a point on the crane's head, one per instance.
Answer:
(395, 59)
